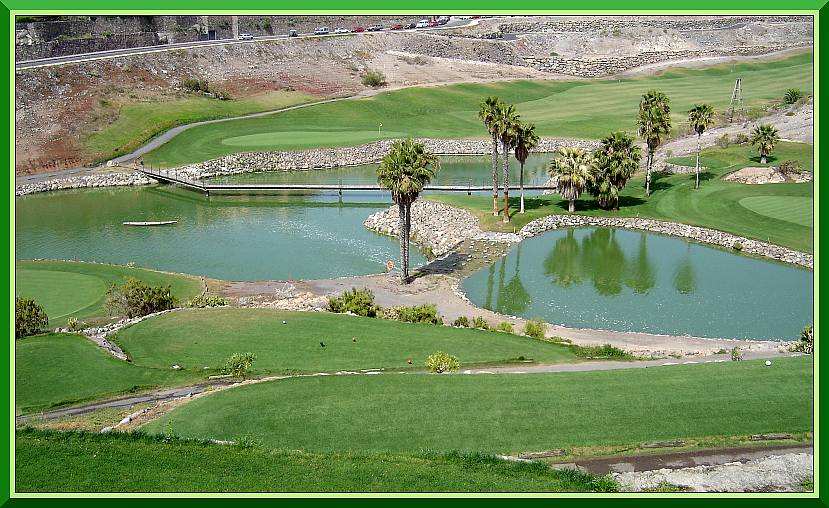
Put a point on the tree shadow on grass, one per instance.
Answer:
(658, 182)
(704, 176)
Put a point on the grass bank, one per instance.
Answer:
(135, 123)
(60, 369)
(578, 109)
(506, 413)
(75, 289)
(206, 338)
(62, 462)
(776, 213)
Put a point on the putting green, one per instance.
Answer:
(797, 210)
(301, 138)
(48, 288)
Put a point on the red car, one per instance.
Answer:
(433, 24)
(397, 27)
(358, 29)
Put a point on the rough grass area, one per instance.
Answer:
(73, 289)
(196, 339)
(579, 109)
(137, 122)
(59, 369)
(717, 204)
(82, 462)
(506, 413)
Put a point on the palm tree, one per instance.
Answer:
(765, 137)
(505, 124)
(574, 174)
(613, 165)
(487, 113)
(525, 140)
(405, 170)
(701, 117)
(654, 125)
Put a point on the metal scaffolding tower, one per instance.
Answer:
(736, 101)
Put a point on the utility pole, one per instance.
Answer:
(736, 100)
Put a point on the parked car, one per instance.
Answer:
(292, 33)
(423, 23)
(443, 20)
(341, 31)
(396, 27)
(375, 28)
(410, 26)
(323, 30)
(433, 24)
(358, 29)
(245, 37)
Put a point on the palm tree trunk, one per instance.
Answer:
(696, 185)
(572, 206)
(648, 174)
(763, 159)
(401, 222)
(506, 182)
(494, 176)
(521, 185)
(408, 236)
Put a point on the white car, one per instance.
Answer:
(323, 30)
(422, 24)
(245, 37)
(341, 31)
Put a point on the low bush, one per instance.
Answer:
(505, 326)
(792, 95)
(480, 323)
(535, 328)
(441, 362)
(741, 139)
(427, 313)
(29, 318)
(239, 364)
(135, 299)
(355, 301)
(603, 352)
(374, 78)
(807, 341)
(202, 301)
(737, 246)
(195, 85)
(723, 141)
(461, 322)
(73, 324)
(736, 354)
(790, 167)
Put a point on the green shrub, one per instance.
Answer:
(195, 85)
(202, 301)
(73, 324)
(790, 167)
(355, 301)
(723, 141)
(480, 323)
(736, 354)
(374, 78)
(505, 326)
(535, 328)
(603, 352)
(427, 313)
(441, 362)
(461, 322)
(239, 363)
(737, 246)
(807, 341)
(792, 96)
(135, 299)
(741, 139)
(29, 318)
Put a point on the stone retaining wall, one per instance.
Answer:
(83, 182)
(599, 24)
(710, 236)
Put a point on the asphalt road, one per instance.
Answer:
(115, 53)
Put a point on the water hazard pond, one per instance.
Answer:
(616, 279)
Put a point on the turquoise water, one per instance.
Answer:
(234, 238)
(624, 280)
(454, 170)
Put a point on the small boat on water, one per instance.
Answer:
(151, 223)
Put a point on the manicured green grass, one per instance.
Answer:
(72, 289)
(83, 462)
(196, 339)
(138, 122)
(580, 109)
(506, 413)
(717, 204)
(59, 369)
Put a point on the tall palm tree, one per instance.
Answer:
(701, 117)
(505, 125)
(574, 175)
(487, 113)
(405, 170)
(654, 126)
(525, 140)
(613, 165)
(765, 137)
